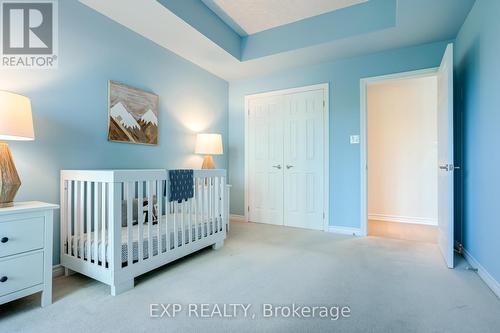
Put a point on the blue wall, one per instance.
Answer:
(477, 53)
(344, 78)
(199, 16)
(70, 104)
(357, 20)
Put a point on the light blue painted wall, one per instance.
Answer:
(344, 79)
(477, 53)
(70, 104)
(356, 20)
(199, 16)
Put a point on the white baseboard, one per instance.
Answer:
(237, 218)
(57, 270)
(483, 273)
(345, 230)
(403, 219)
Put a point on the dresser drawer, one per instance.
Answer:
(21, 272)
(17, 236)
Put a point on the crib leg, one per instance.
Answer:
(218, 245)
(122, 287)
(68, 272)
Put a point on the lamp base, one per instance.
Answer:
(9, 179)
(208, 162)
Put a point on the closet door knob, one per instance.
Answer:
(289, 166)
(277, 166)
(3, 279)
(4, 239)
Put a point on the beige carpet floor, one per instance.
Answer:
(389, 285)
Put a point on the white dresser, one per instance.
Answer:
(26, 251)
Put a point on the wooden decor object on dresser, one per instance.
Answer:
(26, 232)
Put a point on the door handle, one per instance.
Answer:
(289, 166)
(449, 167)
(277, 166)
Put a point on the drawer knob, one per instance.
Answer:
(3, 279)
(4, 239)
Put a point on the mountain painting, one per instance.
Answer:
(133, 115)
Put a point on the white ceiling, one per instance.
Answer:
(258, 15)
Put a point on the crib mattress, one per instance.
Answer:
(204, 229)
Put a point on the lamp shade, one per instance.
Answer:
(209, 144)
(16, 121)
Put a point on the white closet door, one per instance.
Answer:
(265, 177)
(304, 160)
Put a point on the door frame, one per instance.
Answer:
(326, 146)
(363, 165)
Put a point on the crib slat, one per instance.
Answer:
(159, 199)
(207, 203)
(204, 207)
(168, 218)
(140, 220)
(183, 223)
(82, 220)
(200, 206)
(79, 244)
(217, 201)
(104, 200)
(221, 190)
(212, 206)
(190, 219)
(69, 214)
(199, 213)
(64, 199)
(74, 243)
(88, 221)
(96, 222)
(129, 189)
(150, 219)
(176, 234)
(216, 204)
(223, 204)
(195, 204)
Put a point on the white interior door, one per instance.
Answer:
(445, 156)
(286, 158)
(304, 159)
(265, 176)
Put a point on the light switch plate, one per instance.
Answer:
(354, 139)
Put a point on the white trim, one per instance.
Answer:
(345, 230)
(237, 218)
(364, 82)
(403, 219)
(490, 281)
(326, 143)
(57, 270)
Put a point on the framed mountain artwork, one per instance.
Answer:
(132, 115)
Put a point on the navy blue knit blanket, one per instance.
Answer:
(181, 185)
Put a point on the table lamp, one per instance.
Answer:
(16, 123)
(208, 144)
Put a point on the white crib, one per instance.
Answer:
(110, 233)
